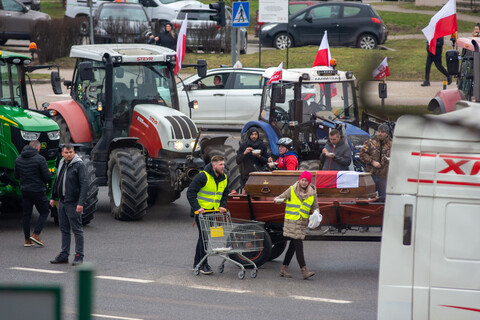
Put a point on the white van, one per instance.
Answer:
(430, 252)
(159, 11)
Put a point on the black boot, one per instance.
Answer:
(425, 83)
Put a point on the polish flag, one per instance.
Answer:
(443, 23)
(323, 55)
(382, 71)
(181, 44)
(277, 75)
(337, 179)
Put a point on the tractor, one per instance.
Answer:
(124, 111)
(20, 124)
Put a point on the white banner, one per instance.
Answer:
(273, 11)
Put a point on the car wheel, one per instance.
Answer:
(83, 25)
(367, 41)
(282, 41)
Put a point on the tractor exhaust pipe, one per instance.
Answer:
(191, 173)
(476, 71)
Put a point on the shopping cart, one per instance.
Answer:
(224, 237)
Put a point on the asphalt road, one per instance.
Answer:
(143, 270)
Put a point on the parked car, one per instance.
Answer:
(203, 33)
(293, 7)
(347, 24)
(17, 21)
(31, 4)
(228, 104)
(120, 22)
(159, 11)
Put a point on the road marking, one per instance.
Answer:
(219, 289)
(319, 299)
(37, 270)
(124, 279)
(113, 317)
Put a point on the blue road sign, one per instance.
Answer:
(241, 11)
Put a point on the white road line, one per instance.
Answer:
(124, 279)
(319, 299)
(113, 317)
(37, 270)
(219, 289)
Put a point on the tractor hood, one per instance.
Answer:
(26, 120)
(159, 127)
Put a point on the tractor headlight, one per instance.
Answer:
(30, 136)
(54, 135)
(178, 145)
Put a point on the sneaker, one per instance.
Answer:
(78, 260)
(28, 243)
(59, 260)
(205, 269)
(425, 84)
(36, 238)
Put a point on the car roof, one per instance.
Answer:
(129, 52)
(114, 4)
(329, 3)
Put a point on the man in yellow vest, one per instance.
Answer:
(208, 191)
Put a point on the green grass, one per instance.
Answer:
(54, 9)
(462, 10)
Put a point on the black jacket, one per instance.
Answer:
(75, 183)
(249, 162)
(199, 182)
(165, 39)
(32, 170)
(342, 159)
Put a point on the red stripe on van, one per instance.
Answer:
(462, 308)
(458, 183)
(458, 157)
(420, 180)
(423, 154)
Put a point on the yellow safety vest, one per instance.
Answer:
(209, 196)
(296, 208)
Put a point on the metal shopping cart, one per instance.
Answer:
(225, 237)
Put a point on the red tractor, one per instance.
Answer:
(124, 113)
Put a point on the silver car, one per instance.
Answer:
(205, 34)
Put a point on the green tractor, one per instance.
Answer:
(19, 125)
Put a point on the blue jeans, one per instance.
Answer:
(70, 221)
(381, 186)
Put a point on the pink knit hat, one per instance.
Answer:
(307, 175)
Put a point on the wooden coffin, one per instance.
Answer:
(271, 184)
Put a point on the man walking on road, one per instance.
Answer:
(208, 191)
(437, 59)
(70, 188)
(32, 170)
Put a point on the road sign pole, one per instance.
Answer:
(85, 291)
(259, 48)
(232, 46)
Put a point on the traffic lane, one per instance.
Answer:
(159, 250)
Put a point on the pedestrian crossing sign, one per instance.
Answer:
(241, 11)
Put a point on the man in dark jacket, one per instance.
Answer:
(337, 154)
(32, 170)
(251, 161)
(207, 191)
(70, 188)
(437, 59)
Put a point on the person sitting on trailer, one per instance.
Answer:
(252, 154)
(288, 159)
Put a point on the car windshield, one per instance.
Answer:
(133, 13)
(330, 100)
(10, 92)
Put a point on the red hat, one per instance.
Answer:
(307, 175)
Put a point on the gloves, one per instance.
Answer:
(278, 200)
(314, 219)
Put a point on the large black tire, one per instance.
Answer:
(231, 167)
(161, 196)
(127, 184)
(90, 205)
(65, 136)
(258, 239)
(277, 250)
(310, 165)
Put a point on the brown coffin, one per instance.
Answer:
(271, 184)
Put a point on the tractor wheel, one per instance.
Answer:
(90, 205)
(241, 238)
(65, 136)
(231, 167)
(277, 250)
(161, 196)
(127, 184)
(310, 165)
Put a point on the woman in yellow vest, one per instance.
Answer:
(301, 199)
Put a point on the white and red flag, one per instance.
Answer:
(337, 179)
(382, 70)
(443, 23)
(277, 75)
(323, 55)
(181, 44)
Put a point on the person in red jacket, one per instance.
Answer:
(288, 159)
